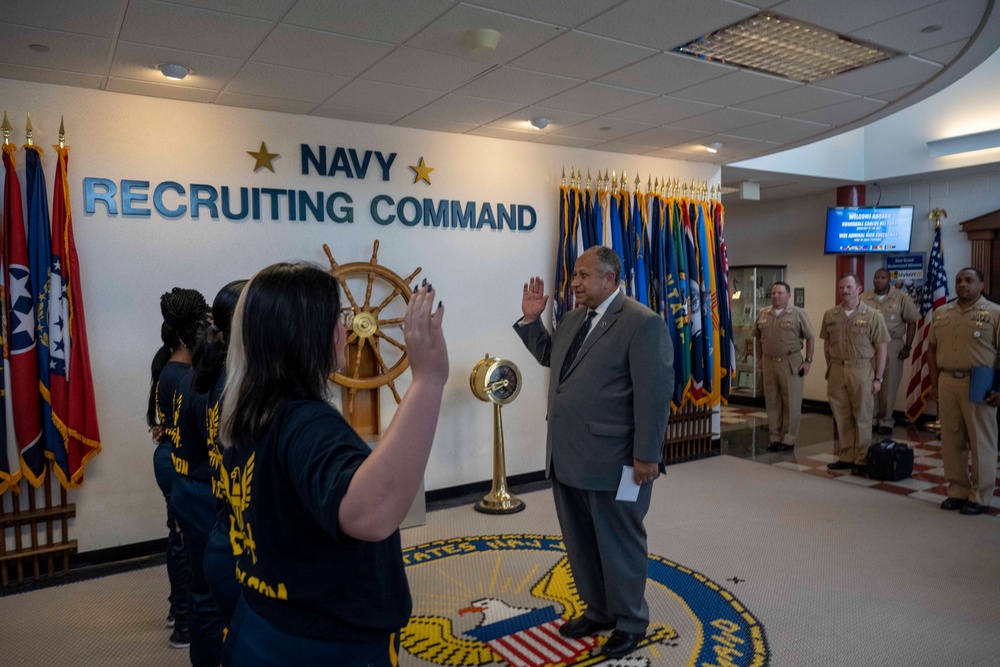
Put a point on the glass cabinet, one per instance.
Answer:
(749, 292)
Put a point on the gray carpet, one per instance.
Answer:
(750, 564)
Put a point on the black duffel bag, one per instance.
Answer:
(890, 461)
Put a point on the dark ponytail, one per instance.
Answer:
(209, 356)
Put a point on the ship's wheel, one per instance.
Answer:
(378, 298)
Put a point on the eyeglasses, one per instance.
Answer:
(347, 317)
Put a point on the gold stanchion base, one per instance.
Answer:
(934, 426)
(491, 504)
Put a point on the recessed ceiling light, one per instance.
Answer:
(713, 147)
(539, 122)
(41, 48)
(777, 45)
(174, 72)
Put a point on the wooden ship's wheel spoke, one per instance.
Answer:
(370, 367)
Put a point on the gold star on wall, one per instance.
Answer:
(263, 158)
(422, 172)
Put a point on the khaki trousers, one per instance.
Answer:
(967, 428)
(849, 390)
(783, 397)
(885, 402)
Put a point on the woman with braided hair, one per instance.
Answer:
(184, 315)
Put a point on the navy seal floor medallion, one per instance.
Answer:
(500, 599)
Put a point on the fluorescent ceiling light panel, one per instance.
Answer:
(783, 47)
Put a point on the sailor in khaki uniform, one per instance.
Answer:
(966, 333)
(900, 315)
(854, 344)
(778, 334)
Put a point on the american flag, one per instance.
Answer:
(933, 295)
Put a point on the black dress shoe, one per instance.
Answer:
(839, 465)
(972, 509)
(860, 471)
(785, 448)
(774, 447)
(953, 504)
(621, 643)
(885, 430)
(581, 626)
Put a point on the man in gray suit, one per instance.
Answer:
(608, 403)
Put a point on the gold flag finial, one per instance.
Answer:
(564, 176)
(614, 182)
(588, 178)
(649, 184)
(638, 184)
(623, 184)
(27, 131)
(936, 216)
(62, 133)
(6, 129)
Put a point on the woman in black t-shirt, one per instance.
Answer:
(184, 313)
(316, 513)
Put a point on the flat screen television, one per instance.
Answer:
(856, 230)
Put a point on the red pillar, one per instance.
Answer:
(850, 195)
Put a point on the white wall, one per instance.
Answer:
(791, 232)
(127, 263)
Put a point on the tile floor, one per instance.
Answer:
(744, 434)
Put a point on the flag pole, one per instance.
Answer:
(6, 129)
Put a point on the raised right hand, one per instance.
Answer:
(533, 299)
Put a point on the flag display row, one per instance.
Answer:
(47, 413)
(674, 261)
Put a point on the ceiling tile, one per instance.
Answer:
(603, 128)
(661, 137)
(517, 35)
(68, 51)
(54, 76)
(558, 119)
(666, 72)
(169, 91)
(502, 133)
(94, 17)
(302, 48)
(264, 103)
(621, 147)
(681, 153)
(796, 100)
(734, 88)
(561, 140)
(139, 61)
(581, 56)
(467, 109)
(843, 16)
(192, 29)
(434, 124)
(722, 120)
(663, 110)
(270, 10)
(380, 20)
(666, 26)
(568, 13)
(895, 94)
(517, 85)
(944, 54)
(383, 97)
(886, 75)
(596, 98)
(843, 113)
(359, 115)
(958, 19)
(784, 130)
(425, 69)
(285, 83)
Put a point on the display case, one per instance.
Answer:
(749, 291)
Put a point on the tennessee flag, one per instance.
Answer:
(71, 387)
(23, 387)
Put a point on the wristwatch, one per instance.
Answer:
(809, 360)
(879, 380)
